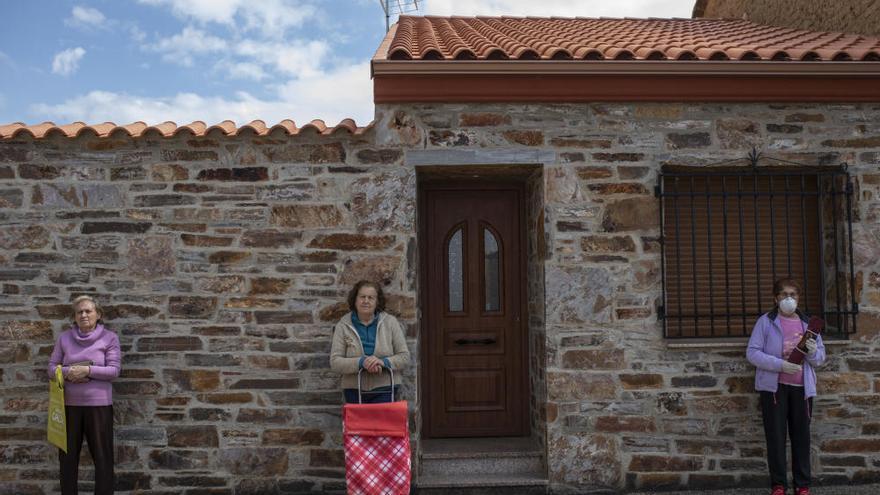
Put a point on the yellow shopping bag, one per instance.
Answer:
(56, 430)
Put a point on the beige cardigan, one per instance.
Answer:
(347, 350)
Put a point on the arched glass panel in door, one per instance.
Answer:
(455, 271)
(491, 271)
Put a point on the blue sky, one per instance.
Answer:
(212, 60)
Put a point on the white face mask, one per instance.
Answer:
(788, 305)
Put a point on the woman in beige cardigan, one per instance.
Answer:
(368, 338)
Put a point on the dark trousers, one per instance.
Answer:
(376, 396)
(95, 423)
(787, 411)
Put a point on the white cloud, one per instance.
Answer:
(85, 18)
(241, 70)
(99, 106)
(257, 43)
(270, 17)
(219, 11)
(244, 59)
(567, 8)
(137, 34)
(273, 17)
(292, 57)
(346, 92)
(330, 96)
(181, 47)
(67, 62)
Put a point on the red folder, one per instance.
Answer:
(814, 328)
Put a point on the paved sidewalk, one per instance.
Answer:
(818, 490)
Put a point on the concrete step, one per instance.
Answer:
(482, 463)
(470, 484)
(476, 463)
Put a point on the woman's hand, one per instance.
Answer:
(811, 346)
(373, 364)
(78, 374)
(790, 368)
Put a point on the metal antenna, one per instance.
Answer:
(397, 7)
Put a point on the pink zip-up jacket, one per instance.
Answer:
(101, 348)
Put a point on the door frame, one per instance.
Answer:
(476, 183)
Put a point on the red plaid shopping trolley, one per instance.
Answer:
(376, 440)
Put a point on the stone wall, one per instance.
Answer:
(846, 16)
(223, 262)
(537, 255)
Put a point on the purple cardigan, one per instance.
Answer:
(765, 352)
(101, 347)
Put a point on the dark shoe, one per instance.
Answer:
(778, 490)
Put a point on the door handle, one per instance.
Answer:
(486, 341)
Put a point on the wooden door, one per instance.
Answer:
(475, 347)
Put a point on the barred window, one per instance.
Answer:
(729, 232)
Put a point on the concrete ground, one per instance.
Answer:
(873, 489)
(819, 490)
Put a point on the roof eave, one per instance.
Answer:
(582, 81)
(383, 67)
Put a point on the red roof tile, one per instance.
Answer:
(169, 129)
(531, 38)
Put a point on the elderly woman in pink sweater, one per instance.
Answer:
(89, 356)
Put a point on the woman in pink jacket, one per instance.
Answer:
(89, 356)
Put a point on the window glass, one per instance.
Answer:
(491, 271)
(454, 270)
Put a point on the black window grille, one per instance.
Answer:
(730, 230)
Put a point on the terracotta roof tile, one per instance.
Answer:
(553, 38)
(169, 129)
(226, 127)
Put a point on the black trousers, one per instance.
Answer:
(376, 396)
(787, 411)
(95, 423)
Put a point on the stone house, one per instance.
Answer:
(569, 215)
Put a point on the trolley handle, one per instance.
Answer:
(390, 371)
